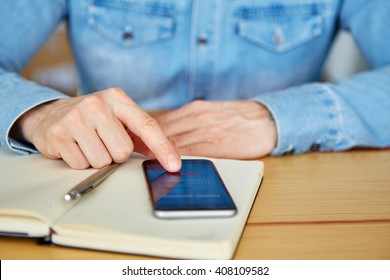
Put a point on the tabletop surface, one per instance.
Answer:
(310, 206)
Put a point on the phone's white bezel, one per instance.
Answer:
(183, 214)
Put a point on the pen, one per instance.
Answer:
(90, 182)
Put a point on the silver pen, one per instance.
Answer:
(90, 182)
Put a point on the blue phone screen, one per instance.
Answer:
(196, 186)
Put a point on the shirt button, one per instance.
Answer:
(127, 36)
(278, 36)
(315, 147)
(202, 41)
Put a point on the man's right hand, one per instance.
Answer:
(95, 130)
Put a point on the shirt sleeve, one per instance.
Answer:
(352, 113)
(26, 26)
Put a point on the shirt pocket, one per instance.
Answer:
(280, 28)
(132, 23)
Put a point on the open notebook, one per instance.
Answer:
(117, 215)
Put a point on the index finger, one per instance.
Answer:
(147, 128)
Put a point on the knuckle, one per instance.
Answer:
(99, 163)
(149, 123)
(117, 92)
(91, 102)
(165, 145)
(79, 165)
(73, 116)
(122, 154)
(51, 151)
(56, 132)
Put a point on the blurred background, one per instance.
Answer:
(54, 67)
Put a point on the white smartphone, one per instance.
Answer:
(195, 191)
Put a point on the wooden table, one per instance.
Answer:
(311, 206)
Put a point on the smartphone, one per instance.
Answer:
(195, 191)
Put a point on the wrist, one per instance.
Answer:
(26, 124)
(269, 127)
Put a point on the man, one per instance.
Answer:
(247, 71)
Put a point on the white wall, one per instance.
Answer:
(344, 60)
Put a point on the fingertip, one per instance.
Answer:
(173, 163)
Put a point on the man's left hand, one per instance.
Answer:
(223, 129)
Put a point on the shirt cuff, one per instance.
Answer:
(23, 147)
(307, 118)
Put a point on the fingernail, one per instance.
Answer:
(173, 162)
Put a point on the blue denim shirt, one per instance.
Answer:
(165, 53)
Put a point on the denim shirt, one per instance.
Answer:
(166, 53)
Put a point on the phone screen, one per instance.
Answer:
(196, 188)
